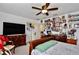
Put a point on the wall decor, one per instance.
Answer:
(76, 25)
(30, 26)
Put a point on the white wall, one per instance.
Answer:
(5, 17)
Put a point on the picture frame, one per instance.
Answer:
(76, 25)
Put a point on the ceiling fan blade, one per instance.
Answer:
(47, 4)
(36, 8)
(47, 14)
(43, 7)
(38, 13)
(52, 9)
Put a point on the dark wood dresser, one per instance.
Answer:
(18, 40)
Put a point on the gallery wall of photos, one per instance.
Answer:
(72, 21)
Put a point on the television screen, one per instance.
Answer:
(13, 28)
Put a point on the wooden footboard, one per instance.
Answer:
(34, 43)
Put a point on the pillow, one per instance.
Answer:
(43, 47)
(55, 33)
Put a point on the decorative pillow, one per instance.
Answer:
(43, 47)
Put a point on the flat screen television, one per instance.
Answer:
(13, 28)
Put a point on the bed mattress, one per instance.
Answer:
(59, 49)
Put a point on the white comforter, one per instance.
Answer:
(59, 49)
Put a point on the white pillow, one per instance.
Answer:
(55, 33)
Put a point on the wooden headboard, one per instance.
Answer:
(34, 43)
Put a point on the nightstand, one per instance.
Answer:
(72, 41)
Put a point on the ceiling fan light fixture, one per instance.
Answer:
(44, 11)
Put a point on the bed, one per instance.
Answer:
(60, 48)
(36, 42)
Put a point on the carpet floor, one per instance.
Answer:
(22, 50)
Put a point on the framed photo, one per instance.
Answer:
(76, 25)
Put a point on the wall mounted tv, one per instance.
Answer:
(13, 28)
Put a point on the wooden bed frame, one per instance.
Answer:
(34, 43)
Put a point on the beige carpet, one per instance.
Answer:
(22, 50)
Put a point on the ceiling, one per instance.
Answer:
(25, 9)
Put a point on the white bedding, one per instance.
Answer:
(59, 49)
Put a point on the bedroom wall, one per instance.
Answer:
(5, 17)
(77, 29)
(66, 15)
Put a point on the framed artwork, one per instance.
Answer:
(76, 25)
(30, 26)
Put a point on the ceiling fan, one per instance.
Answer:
(44, 9)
